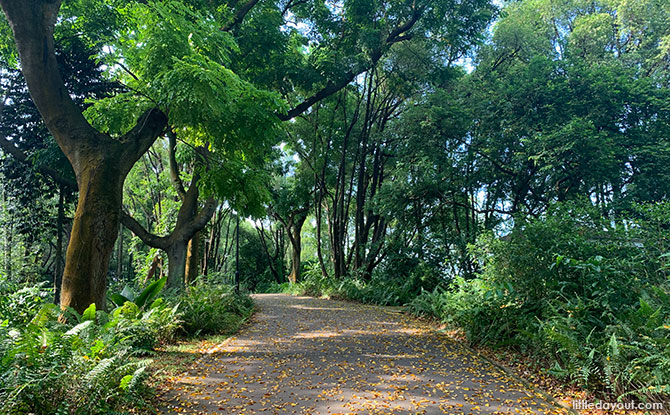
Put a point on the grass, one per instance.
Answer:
(174, 359)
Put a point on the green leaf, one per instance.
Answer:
(613, 346)
(150, 292)
(119, 299)
(89, 313)
(128, 293)
(125, 382)
(79, 328)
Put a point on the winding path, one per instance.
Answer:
(304, 355)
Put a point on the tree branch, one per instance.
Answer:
(202, 218)
(174, 167)
(239, 16)
(137, 141)
(327, 91)
(405, 27)
(154, 241)
(396, 35)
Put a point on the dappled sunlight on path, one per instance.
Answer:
(310, 356)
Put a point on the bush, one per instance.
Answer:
(213, 309)
(53, 368)
(388, 290)
(313, 284)
(92, 364)
(19, 304)
(589, 298)
(141, 330)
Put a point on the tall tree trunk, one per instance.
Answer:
(280, 253)
(192, 259)
(7, 242)
(129, 267)
(212, 249)
(119, 253)
(294, 275)
(214, 241)
(271, 257)
(3, 229)
(337, 248)
(296, 247)
(176, 264)
(58, 268)
(8, 248)
(318, 209)
(94, 230)
(8, 230)
(362, 180)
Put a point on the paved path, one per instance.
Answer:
(311, 356)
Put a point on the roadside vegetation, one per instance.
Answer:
(99, 362)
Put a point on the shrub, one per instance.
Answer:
(382, 289)
(141, 330)
(213, 309)
(92, 364)
(314, 284)
(19, 304)
(53, 368)
(587, 296)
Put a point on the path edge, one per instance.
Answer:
(509, 372)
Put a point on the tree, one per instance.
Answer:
(290, 206)
(38, 179)
(273, 241)
(574, 122)
(173, 82)
(179, 241)
(100, 163)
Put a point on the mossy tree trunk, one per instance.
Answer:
(192, 259)
(176, 253)
(94, 231)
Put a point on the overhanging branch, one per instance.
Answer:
(398, 34)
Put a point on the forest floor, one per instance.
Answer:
(303, 355)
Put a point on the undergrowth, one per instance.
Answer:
(589, 299)
(96, 362)
(380, 289)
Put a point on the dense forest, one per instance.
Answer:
(501, 167)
